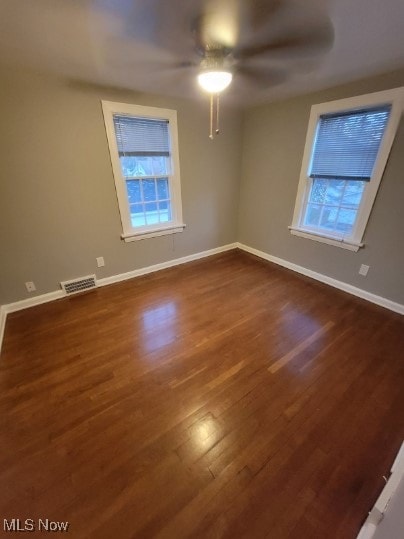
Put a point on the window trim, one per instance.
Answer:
(395, 98)
(131, 233)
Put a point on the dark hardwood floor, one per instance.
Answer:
(227, 397)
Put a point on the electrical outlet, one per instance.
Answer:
(100, 261)
(363, 270)
(30, 286)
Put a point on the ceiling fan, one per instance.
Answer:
(255, 41)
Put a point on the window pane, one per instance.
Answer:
(312, 214)
(353, 193)
(152, 216)
(346, 220)
(151, 212)
(338, 201)
(136, 208)
(138, 166)
(149, 190)
(137, 215)
(162, 189)
(129, 166)
(133, 190)
(318, 191)
(144, 166)
(328, 217)
(160, 165)
(151, 206)
(165, 211)
(334, 192)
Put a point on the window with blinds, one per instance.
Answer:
(144, 153)
(344, 155)
(347, 146)
(143, 143)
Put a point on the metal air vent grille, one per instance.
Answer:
(79, 285)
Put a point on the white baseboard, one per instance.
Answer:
(58, 294)
(3, 316)
(35, 300)
(373, 298)
(163, 265)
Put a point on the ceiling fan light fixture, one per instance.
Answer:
(215, 81)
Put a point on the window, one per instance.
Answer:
(347, 146)
(144, 155)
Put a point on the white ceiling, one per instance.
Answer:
(88, 40)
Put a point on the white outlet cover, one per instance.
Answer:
(30, 286)
(363, 270)
(100, 261)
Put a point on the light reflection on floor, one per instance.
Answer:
(205, 432)
(293, 321)
(159, 324)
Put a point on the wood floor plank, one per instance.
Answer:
(281, 362)
(226, 397)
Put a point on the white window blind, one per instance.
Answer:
(138, 137)
(347, 144)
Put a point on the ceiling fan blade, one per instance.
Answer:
(216, 27)
(170, 66)
(224, 22)
(161, 23)
(193, 25)
(261, 11)
(300, 43)
(261, 76)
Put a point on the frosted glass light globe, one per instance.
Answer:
(215, 82)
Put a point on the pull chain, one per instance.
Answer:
(217, 114)
(214, 102)
(211, 117)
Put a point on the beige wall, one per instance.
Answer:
(58, 208)
(274, 138)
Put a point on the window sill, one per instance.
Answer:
(153, 233)
(337, 242)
